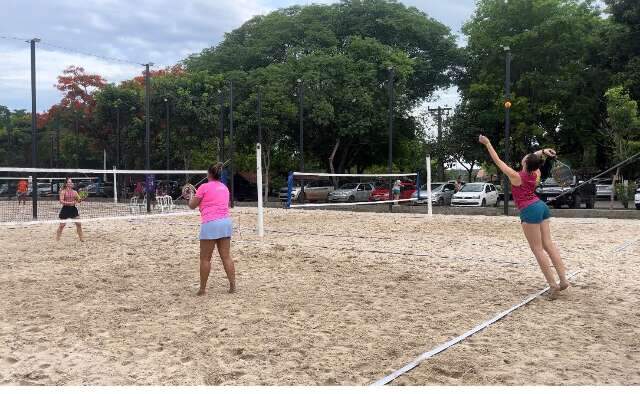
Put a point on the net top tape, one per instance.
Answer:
(324, 174)
(94, 171)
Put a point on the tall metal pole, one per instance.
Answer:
(390, 165)
(231, 140)
(34, 131)
(259, 116)
(301, 114)
(147, 119)
(221, 127)
(507, 110)
(167, 137)
(118, 136)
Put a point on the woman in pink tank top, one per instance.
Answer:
(68, 198)
(534, 214)
(212, 198)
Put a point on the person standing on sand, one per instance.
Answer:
(22, 191)
(69, 198)
(216, 226)
(534, 214)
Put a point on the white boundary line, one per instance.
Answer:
(85, 170)
(100, 219)
(324, 174)
(389, 378)
(342, 204)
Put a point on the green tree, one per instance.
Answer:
(558, 73)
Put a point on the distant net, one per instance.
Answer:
(99, 193)
(325, 190)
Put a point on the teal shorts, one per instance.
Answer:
(535, 213)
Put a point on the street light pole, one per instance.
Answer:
(301, 114)
(221, 127)
(34, 131)
(147, 135)
(167, 137)
(231, 140)
(118, 133)
(390, 164)
(507, 124)
(259, 116)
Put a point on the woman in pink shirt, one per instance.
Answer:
(216, 227)
(534, 214)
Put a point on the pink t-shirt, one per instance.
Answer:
(525, 194)
(214, 201)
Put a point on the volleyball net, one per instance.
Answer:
(32, 195)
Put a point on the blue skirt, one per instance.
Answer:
(216, 229)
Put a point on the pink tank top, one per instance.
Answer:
(525, 194)
(69, 197)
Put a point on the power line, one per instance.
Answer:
(75, 51)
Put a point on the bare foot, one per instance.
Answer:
(201, 292)
(232, 288)
(564, 285)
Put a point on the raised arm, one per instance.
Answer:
(513, 176)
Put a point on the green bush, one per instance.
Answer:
(626, 192)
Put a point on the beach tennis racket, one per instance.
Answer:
(562, 173)
(83, 194)
(188, 191)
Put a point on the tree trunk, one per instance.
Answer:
(333, 155)
(343, 158)
(613, 188)
(470, 172)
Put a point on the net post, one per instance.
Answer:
(429, 203)
(289, 188)
(115, 185)
(259, 183)
(418, 184)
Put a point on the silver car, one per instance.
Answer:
(351, 192)
(313, 191)
(441, 193)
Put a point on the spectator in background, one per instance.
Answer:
(458, 184)
(22, 191)
(396, 191)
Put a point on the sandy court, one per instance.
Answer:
(317, 303)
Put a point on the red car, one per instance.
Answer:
(381, 191)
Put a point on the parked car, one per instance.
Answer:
(99, 189)
(549, 189)
(501, 192)
(441, 194)
(478, 194)
(313, 191)
(637, 198)
(604, 188)
(4, 189)
(351, 192)
(381, 191)
(44, 189)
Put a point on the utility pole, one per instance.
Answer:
(438, 112)
(232, 142)
(147, 136)
(507, 124)
(390, 153)
(34, 131)
(221, 127)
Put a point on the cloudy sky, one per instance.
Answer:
(158, 31)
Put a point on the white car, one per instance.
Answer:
(637, 198)
(479, 194)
